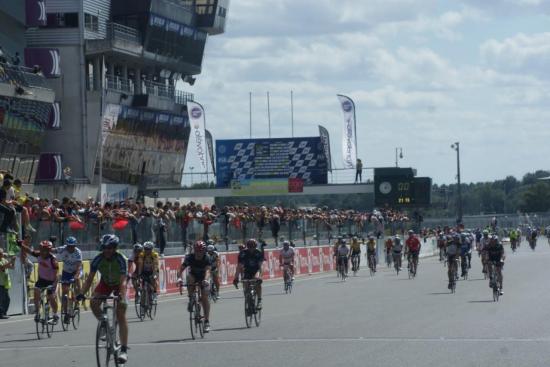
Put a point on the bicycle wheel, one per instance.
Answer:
(199, 320)
(39, 327)
(192, 319)
(76, 318)
(49, 322)
(496, 293)
(102, 347)
(65, 314)
(143, 307)
(137, 303)
(152, 307)
(257, 313)
(248, 309)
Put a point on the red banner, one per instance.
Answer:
(308, 260)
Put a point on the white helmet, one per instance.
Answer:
(210, 248)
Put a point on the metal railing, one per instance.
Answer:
(181, 97)
(22, 76)
(149, 87)
(121, 32)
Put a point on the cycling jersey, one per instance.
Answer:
(197, 267)
(343, 251)
(413, 243)
(149, 262)
(452, 248)
(213, 260)
(251, 262)
(495, 252)
(397, 247)
(371, 245)
(110, 269)
(355, 246)
(47, 267)
(287, 255)
(71, 261)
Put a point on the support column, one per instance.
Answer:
(97, 74)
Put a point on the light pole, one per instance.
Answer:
(191, 168)
(400, 156)
(456, 147)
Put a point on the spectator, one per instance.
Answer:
(16, 60)
(5, 283)
(358, 171)
(6, 207)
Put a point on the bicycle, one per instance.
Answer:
(196, 316)
(44, 323)
(342, 267)
(388, 259)
(70, 311)
(137, 300)
(372, 264)
(106, 337)
(251, 310)
(213, 294)
(464, 266)
(147, 306)
(287, 279)
(355, 261)
(513, 245)
(397, 262)
(453, 268)
(412, 265)
(494, 281)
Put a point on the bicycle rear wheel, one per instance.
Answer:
(137, 303)
(102, 348)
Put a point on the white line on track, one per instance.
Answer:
(305, 340)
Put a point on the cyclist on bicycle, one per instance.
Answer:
(286, 258)
(133, 273)
(71, 256)
(342, 255)
(371, 250)
(413, 246)
(249, 267)
(465, 252)
(496, 256)
(452, 250)
(112, 265)
(200, 265)
(148, 267)
(441, 242)
(47, 275)
(482, 248)
(355, 249)
(397, 249)
(513, 238)
(388, 245)
(215, 265)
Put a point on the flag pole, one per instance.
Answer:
(102, 106)
(268, 116)
(292, 111)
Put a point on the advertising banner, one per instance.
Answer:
(349, 150)
(325, 139)
(277, 158)
(197, 140)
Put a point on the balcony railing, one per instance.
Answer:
(21, 76)
(148, 87)
(121, 32)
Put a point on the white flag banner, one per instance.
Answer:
(349, 150)
(110, 119)
(197, 139)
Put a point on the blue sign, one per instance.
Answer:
(246, 159)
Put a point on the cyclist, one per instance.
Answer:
(138, 248)
(200, 265)
(482, 248)
(286, 258)
(452, 249)
(355, 248)
(148, 267)
(465, 252)
(496, 256)
(112, 265)
(250, 266)
(47, 275)
(211, 243)
(397, 249)
(214, 266)
(342, 255)
(371, 250)
(71, 256)
(513, 238)
(413, 246)
(441, 242)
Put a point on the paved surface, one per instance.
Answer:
(378, 321)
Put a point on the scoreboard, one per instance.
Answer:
(398, 187)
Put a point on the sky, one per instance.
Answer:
(423, 74)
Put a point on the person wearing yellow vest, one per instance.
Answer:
(5, 283)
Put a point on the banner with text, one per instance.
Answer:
(197, 139)
(349, 150)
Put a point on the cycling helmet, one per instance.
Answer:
(251, 243)
(199, 246)
(241, 247)
(286, 243)
(71, 241)
(210, 248)
(485, 232)
(148, 245)
(109, 240)
(210, 242)
(411, 231)
(46, 245)
(138, 247)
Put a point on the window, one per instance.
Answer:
(62, 20)
(91, 22)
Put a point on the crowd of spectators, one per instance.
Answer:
(266, 220)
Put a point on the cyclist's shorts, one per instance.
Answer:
(414, 254)
(247, 275)
(371, 252)
(43, 283)
(102, 289)
(355, 252)
(497, 262)
(67, 278)
(451, 258)
(193, 278)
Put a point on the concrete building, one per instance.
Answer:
(128, 54)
